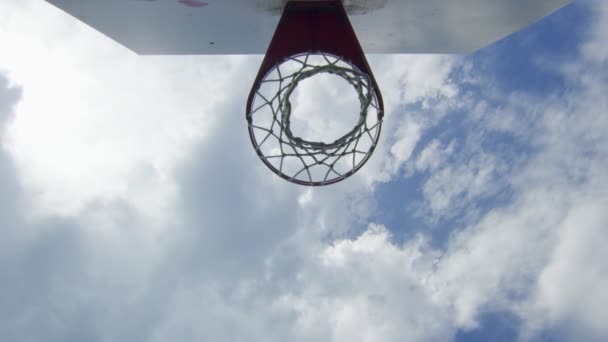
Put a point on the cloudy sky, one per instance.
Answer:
(133, 207)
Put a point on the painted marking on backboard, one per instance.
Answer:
(193, 3)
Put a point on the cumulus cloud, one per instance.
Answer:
(10, 196)
(96, 119)
(206, 244)
(419, 91)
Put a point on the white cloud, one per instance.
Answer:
(402, 149)
(418, 92)
(431, 157)
(456, 185)
(367, 289)
(572, 285)
(96, 119)
(246, 256)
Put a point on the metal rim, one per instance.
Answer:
(317, 163)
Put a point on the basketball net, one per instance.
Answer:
(312, 38)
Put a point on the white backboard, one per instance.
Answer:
(177, 27)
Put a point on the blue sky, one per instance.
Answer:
(135, 209)
(512, 64)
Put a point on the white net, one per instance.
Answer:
(295, 158)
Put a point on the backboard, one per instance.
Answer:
(176, 27)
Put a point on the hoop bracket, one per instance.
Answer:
(314, 26)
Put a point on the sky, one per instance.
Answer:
(133, 207)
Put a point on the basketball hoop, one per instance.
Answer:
(312, 38)
(311, 162)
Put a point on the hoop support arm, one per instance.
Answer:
(314, 26)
